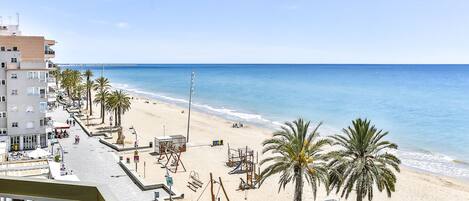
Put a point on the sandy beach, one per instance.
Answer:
(153, 118)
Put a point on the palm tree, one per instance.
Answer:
(89, 86)
(78, 92)
(119, 102)
(362, 161)
(100, 98)
(102, 86)
(70, 80)
(88, 74)
(297, 154)
(56, 73)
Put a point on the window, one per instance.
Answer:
(3, 114)
(41, 122)
(4, 65)
(3, 131)
(3, 99)
(42, 76)
(2, 49)
(43, 140)
(43, 106)
(14, 60)
(33, 75)
(14, 92)
(14, 124)
(30, 91)
(4, 82)
(14, 76)
(15, 143)
(15, 48)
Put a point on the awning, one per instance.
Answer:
(59, 125)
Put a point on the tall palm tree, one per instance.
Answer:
(119, 102)
(362, 161)
(102, 86)
(100, 98)
(78, 93)
(56, 73)
(88, 74)
(70, 80)
(297, 155)
(89, 86)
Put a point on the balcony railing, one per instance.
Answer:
(51, 52)
(42, 189)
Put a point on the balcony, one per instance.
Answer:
(12, 66)
(49, 52)
(43, 189)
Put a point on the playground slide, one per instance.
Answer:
(237, 169)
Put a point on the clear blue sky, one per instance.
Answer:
(250, 31)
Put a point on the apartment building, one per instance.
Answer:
(24, 88)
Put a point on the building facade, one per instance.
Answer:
(24, 88)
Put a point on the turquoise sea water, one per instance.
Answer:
(424, 107)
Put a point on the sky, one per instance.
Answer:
(248, 31)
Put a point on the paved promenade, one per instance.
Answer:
(93, 162)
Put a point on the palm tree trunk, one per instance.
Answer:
(102, 112)
(298, 185)
(359, 195)
(91, 103)
(120, 115)
(115, 117)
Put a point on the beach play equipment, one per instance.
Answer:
(170, 149)
(194, 182)
(244, 161)
(214, 196)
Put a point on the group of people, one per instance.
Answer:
(238, 125)
(61, 134)
(71, 122)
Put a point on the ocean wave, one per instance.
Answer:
(433, 162)
(224, 112)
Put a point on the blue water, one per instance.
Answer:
(424, 107)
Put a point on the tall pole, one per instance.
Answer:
(211, 187)
(190, 103)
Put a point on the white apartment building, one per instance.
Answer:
(24, 88)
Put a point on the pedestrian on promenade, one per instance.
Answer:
(73, 122)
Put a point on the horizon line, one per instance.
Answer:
(72, 64)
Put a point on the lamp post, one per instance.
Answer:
(136, 136)
(191, 91)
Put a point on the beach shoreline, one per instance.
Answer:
(146, 112)
(155, 118)
(271, 126)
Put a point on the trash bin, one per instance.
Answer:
(121, 158)
(128, 160)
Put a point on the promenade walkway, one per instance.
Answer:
(93, 162)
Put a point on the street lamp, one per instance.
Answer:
(191, 91)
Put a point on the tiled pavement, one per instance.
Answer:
(93, 162)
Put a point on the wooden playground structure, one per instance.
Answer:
(170, 149)
(214, 196)
(244, 161)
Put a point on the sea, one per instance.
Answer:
(425, 108)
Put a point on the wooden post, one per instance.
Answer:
(223, 188)
(211, 187)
